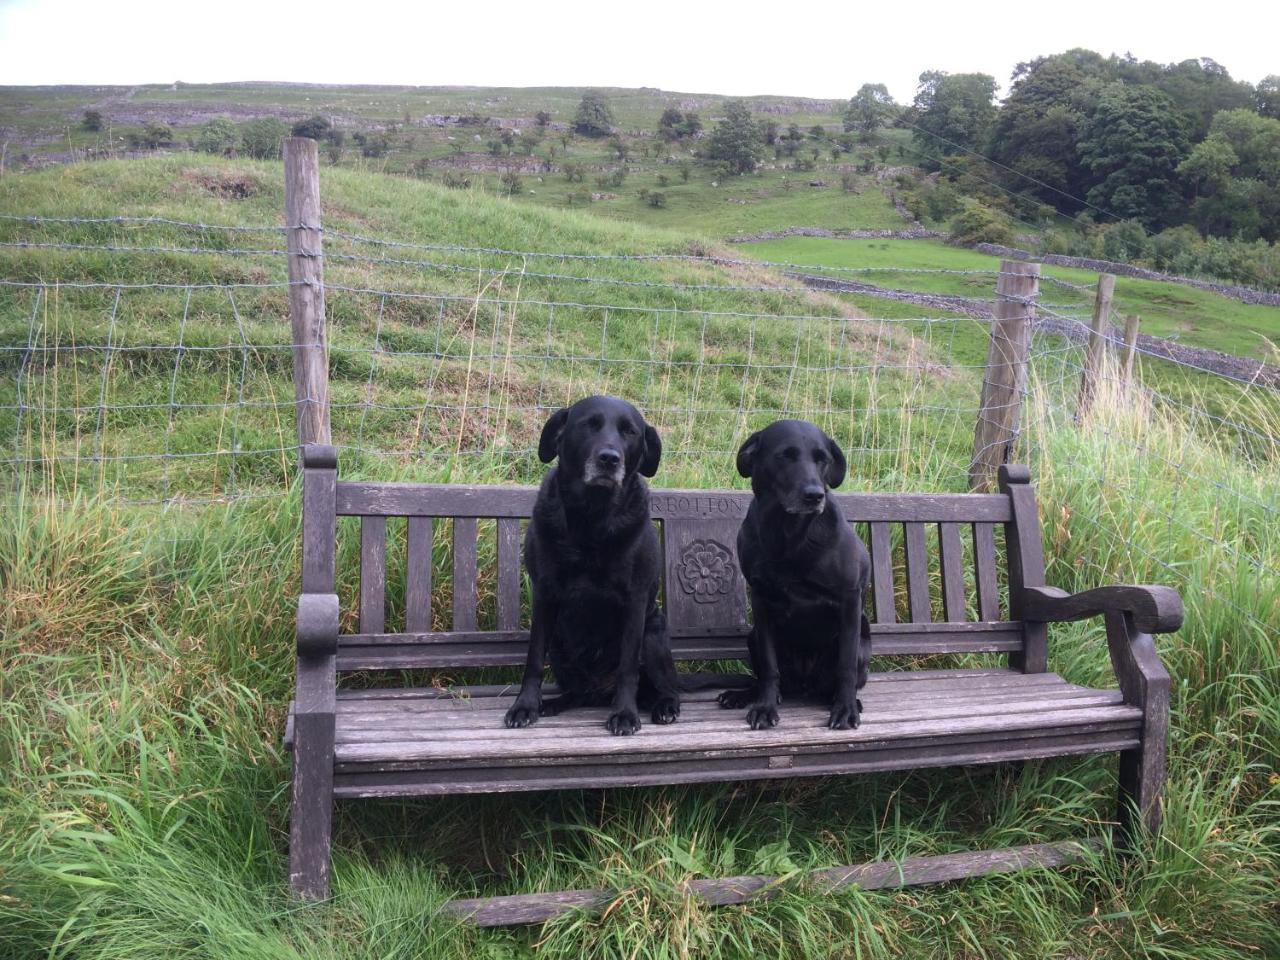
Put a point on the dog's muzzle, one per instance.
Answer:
(605, 469)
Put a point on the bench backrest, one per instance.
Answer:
(939, 584)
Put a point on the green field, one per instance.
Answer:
(1189, 315)
(148, 653)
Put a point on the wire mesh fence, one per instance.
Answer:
(170, 382)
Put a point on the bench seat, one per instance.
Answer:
(426, 741)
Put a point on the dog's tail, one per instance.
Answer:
(706, 680)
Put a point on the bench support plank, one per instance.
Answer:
(914, 871)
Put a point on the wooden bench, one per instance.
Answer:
(398, 741)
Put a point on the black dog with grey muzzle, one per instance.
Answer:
(594, 562)
(807, 571)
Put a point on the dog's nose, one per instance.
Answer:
(609, 458)
(813, 494)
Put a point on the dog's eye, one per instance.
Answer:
(595, 423)
(626, 427)
(790, 453)
(819, 457)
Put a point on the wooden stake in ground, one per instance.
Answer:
(1130, 348)
(1099, 329)
(306, 291)
(1005, 376)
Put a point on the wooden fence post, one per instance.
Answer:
(1099, 330)
(1130, 347)
(1006, 372)
(306, 290)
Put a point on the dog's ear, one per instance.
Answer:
(747, 454)
(549, 443)
(836, 468)
(652, 451)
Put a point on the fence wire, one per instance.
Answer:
(170, 382)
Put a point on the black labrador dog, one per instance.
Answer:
(594, 562)
(807, 571)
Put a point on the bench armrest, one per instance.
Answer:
(317, 624)
(1153, 609)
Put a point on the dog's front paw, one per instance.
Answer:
(666, 710)
(846, 714)
(623, 723)
(735, 699)
(523, 713)
(762, 716)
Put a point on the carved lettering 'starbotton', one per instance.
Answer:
(706, 570)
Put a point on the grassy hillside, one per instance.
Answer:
(148, 653)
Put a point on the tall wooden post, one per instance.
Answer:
(1130, 347)
(1098, 332)
(306, 290)
(1005, 376)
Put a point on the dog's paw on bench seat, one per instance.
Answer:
(401, 741)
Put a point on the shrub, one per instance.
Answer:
(664, 180)
(153, 135)
(1126, 240)
(262, 137)
(92, 121)
(511, 182)
(978, 223)
(656, 199)
(313, 128)
(455, 179)
(572, 173)
(593, 118)
(218, 136)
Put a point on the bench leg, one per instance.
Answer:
(1141, 793)
(311, 809)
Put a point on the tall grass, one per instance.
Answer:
(147, 659)
(143, 809)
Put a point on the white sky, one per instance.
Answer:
(817, 49)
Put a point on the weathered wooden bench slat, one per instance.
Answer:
(418, 570)
(403, 651)
(951, 553)
(361, 498)
(405, 741)
(917, 573)
(464, 573)
(984, 561)
(508, 573)
(882, 573)
(373, 574)
(913, 871)
(451, 778)
(705, 719)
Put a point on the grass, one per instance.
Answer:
(1189, 315)
(147, 653)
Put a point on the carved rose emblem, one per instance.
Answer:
(706, 571)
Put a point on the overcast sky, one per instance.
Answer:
(800, 48)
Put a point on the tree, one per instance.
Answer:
(313, 128)
(1039, 126)
(1132, 146)
(952, 113)
(262, 137)
(869, 109)
(218, 136)
(92, 121)
(692, 125)
(593, 118)
(736, 140)
(1267, 97)
(1234, 177)
(542, 118)
(671, 124)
